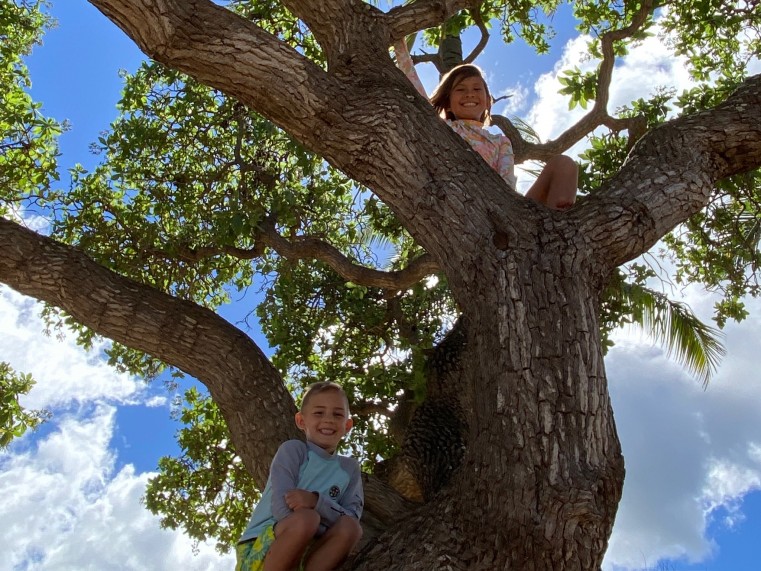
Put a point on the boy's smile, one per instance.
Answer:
(325, 419)
(468, 99)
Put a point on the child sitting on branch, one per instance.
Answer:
(308, 515)
(463, 100)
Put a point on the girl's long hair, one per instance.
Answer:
(440, 96)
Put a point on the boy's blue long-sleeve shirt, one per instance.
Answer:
(306, 466)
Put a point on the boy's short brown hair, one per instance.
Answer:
(321, 387)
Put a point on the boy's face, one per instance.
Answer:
(325, 419)
(468, 99)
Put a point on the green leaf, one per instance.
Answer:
(15, 420)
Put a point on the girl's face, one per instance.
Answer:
(468, 99)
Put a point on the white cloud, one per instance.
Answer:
(70, 511)
(157, 401)
(691, 454)
(516, 101)
(648, 67)
(28, 219)
(65, 374)
(65, 504)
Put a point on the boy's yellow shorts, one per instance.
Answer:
(250, 555)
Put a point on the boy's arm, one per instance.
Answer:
(352, 500)
(404, 62)
(284, 475)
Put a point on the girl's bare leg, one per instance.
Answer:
(556, 185)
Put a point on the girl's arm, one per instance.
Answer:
(404, 62)
(506, 162)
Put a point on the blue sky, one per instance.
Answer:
(72, 490)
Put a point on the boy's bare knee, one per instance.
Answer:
(308, 518)
(304, 523)
(350, 528)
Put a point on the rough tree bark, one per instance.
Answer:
(542, 473)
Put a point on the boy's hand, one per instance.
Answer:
(301, 499)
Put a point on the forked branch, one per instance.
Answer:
(307, 247)
(423, 14)
(598, 115)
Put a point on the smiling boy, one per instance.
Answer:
(311, 493)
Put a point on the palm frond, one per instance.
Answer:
(385, 248)
(527, 131)
(696, 346)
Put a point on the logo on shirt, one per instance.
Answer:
(334, 491)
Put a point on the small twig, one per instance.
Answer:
(478, 19)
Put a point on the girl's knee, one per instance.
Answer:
(563, 164)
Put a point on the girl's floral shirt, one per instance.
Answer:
(495, 149)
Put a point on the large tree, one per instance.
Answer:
(506, 449)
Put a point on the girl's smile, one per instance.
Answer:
(468, 99)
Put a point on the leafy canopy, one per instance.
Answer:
(28, 140)
(28, 150)
(15, 420)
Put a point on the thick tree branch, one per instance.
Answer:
(416, 16)
(671, 174)
(248, 389)
(325, 17)
(384, 502)
(309, 248)
(334, 23)
(481, 45)
(304, 247)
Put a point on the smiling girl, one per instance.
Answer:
(462, 98)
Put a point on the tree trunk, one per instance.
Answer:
(542, 474)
